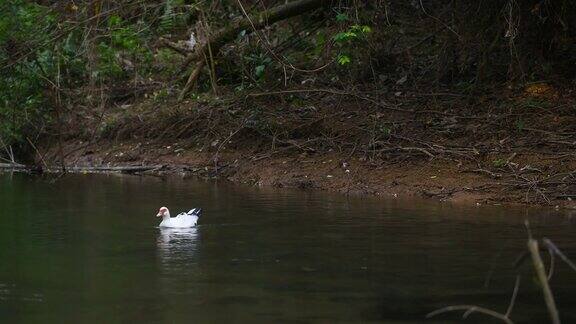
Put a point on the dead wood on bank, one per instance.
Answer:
(249, 24)
(81, 169)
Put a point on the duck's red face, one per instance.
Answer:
(162, 211)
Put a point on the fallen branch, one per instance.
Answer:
(261, 20)
(488, 172)
(192, 79)
(249, 24)
(173, 46)
(555, 250)
(417, 149)
(13, 166)
(37, 152)
(124, 169)
(469, 309)
(542, 276)
(8, 150)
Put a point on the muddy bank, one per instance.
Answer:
(438, 179)
(513, 147)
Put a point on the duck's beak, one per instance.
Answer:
(159, 215)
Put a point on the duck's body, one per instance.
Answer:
(182, 220)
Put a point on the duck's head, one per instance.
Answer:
(163, 211)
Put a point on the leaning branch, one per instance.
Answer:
(12, 166)
(249, 24)
(543, 279)
(469, 309)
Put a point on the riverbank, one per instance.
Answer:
(515, 147)
(437, 179)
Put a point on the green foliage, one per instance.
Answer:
(259, 71)
(172, 19)
(22, 102)
(20, 105)
(108, 65)
(39, 49)
(347, 41)
(260, 62)
(121, 36)
(353, 33)
(167, 19)
(165, 63)
(343, 59)
(498, 163)
(340, 17)
(319, 43)
(122, 51)
(160, 95)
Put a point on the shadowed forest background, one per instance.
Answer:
(485, 84)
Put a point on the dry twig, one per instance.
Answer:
(469, 309)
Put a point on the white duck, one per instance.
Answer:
(182, 220)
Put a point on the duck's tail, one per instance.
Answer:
(195, 211)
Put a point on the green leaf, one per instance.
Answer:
(361, 29)
(114, 21)
(345, 36)
(366, 29)
(167, 20)
(341, 17)
(344, 59)
(351, 34)
(340, 37)
(259, 70)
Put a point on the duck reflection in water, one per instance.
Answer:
(177, 247)
(172, 235)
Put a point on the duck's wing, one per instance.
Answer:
(195, 212)
(182, 220)
(181, 214)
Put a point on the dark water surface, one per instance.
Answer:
(86, 249)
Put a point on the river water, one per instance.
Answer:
(87, 249)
